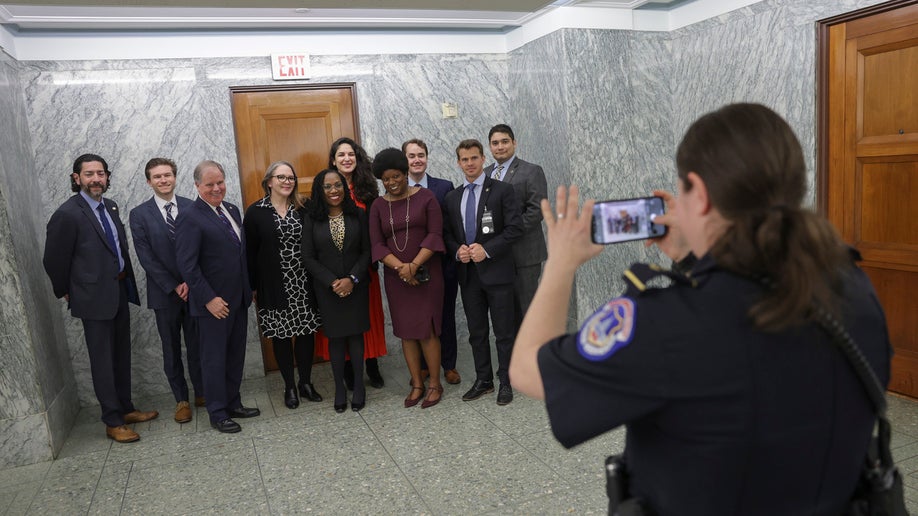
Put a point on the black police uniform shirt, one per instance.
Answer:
(721, 418)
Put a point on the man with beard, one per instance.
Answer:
(86, 258)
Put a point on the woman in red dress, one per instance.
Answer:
(349, 158)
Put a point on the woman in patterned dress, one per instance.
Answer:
(280, 282)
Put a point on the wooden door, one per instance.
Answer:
(291, 123)
(871, 156)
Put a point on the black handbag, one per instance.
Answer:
(879, 490)
(421, 274)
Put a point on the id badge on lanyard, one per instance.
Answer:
(487, 222)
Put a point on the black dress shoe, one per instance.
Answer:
(357, 407)
(341, 408)
(244, 412)
(479, 389)
(290, 398)
(309, 392)
(227, 426)
(504, 394)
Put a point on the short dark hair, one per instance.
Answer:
(198, 170)
(501, 128)
(155, 162)
(389, 159)
(417, 141)
(470, 143)
(78, 167)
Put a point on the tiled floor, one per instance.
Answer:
(454, 458)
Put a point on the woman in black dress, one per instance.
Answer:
(336, 250)
(279, 281)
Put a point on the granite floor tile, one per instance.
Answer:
(582, 464)
(565, 499)
(523, 416)
(178, 448)
(321, 453)
(24, 474)
(200, 483)
(492, 477)
(15, 500)
(109, 495)
(385, 491)
(66, 494)
(435, 431)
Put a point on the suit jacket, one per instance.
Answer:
(341, 316)
(440, 187)
(156, 251)
(500, 199)
(209, 260)
(529, 183)
(80, 262)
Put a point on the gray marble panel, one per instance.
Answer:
(24, 440)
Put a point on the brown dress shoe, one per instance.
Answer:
(452, 376)
(182, 412)
(121, 434)
(199, 401)
(139, 417)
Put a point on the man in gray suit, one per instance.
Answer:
(528, 181)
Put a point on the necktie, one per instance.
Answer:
(107, 228)
(170, 221)
(470, 215)
(497, 172)
(229, 226)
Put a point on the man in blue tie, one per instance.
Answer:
(87, 260)
(153, 226)
(210, 248)
(482, 222)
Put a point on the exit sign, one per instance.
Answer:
(285, 67)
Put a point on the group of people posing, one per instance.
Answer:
(311, 265)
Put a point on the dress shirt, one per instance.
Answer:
(477, 192)
(422, 182)
(94, 204)
(229, 217)
(161, 204)
(506, 165)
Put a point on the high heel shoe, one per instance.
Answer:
(309, 392)
(357, 407)
(409, 401)
(341, 408)
(290, 399)
(427, 402)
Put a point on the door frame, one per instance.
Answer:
(822, 91)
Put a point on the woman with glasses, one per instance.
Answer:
(280, 283)
(336, 250)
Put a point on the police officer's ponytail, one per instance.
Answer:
(752, 166)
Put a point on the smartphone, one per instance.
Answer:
(627, 219)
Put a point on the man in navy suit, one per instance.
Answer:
(153, 226)
(210, 247)
(416, 152)
(528, 181)
(482, 222)
(86, 258)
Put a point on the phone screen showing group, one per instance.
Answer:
(627, 219)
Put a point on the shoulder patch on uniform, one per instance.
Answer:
(608, 330)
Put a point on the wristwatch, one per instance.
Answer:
(354, 279)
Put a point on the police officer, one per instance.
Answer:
(735, 401)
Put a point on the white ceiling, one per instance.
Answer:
(503, 15)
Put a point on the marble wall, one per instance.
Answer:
(129, 111)
(37, 389)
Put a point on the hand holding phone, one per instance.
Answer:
(627, 219)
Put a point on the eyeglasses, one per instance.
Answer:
(286, 179)
(333, 186)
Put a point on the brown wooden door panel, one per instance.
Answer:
(871, 167)
(291, 123)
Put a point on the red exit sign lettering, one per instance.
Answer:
(285, 67)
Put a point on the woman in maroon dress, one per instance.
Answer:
(406, 228)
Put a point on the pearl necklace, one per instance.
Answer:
(392, 223)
